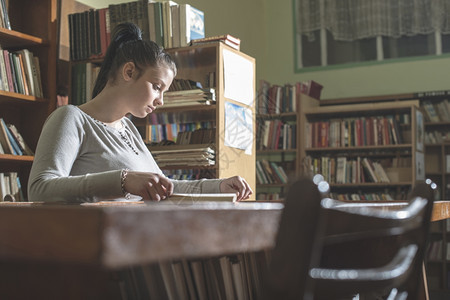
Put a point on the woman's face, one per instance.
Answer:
(147, 91)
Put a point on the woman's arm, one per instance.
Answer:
(58, 147)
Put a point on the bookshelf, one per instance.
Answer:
(279, 130)
(200, 63)
(33, 27)
(368, 151)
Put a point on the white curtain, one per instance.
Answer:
(350, 20)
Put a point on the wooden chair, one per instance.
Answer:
(329, 249)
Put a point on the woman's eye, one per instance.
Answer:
(157, 87)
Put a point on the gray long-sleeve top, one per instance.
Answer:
(80, 159)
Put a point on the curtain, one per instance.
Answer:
(350, 20)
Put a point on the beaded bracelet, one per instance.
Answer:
(123, 177)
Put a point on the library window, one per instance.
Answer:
(330, 32)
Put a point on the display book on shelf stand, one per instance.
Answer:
(28, 87)
(370, 151)
(279, 130)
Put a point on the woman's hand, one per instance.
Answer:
(238, 185)
(150, 186)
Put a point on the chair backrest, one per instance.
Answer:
(323, 243)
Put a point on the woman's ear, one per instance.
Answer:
(128, 71)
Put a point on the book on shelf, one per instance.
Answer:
(227, 39)
(192, 24)
(10, 187)
(354, 132)
(181, 133)
(23, 146)
(8, 141)
(17, 72)
(4, 17)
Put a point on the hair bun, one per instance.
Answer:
(126, 32)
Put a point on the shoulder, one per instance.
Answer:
(65, 116)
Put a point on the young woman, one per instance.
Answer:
(93, 152)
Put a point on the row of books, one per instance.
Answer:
(226, 277)
(341, 170)
(10, 187)
(275, 99)
(83, 79)
(20, 73)
(190, 97)
(354, 132)
(11, 141)
(4, 17)
(437, 111)
(268, 196)
(192, 156)
(180, 133)
(181, 84)
(198, 136)
(167, 23)
(361, 196)
(276, 134)
(269, 172)
(436, 137)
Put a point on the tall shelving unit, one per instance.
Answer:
(197, 63)
(34, 28)
(437, 264)
(353, 146)
(290, 157)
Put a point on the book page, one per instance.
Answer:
(192, 198)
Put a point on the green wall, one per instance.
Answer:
(378, 79)
(266, 30)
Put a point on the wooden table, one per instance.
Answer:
(109, 236)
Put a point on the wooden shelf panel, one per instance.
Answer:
(370, 184)
(11, 98)
(269, 185)
(269, 151)
(16, 158)
(365, 148)
(186, 108)
(179, 147)
(15, 39)
(277, 116)
(367, 108)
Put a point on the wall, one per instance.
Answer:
(380, 79)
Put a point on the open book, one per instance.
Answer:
(229, 197)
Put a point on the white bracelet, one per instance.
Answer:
(123, 177)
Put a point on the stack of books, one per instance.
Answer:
(190, 97)
(187, 156)
(227, 39)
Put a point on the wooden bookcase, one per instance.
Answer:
(34, 28)
(290, 157)
(437, 264)
(337, 160)
(196, 63)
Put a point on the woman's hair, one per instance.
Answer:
(127, 46)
